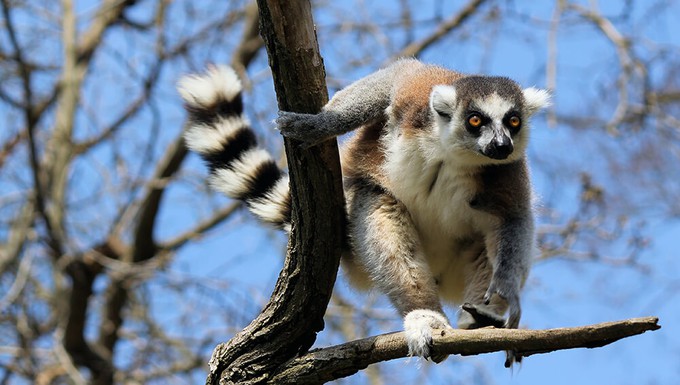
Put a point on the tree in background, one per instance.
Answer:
(102, 270)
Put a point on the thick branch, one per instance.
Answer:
(75, 344)
(339, 361)
(146, 210)
(58, 158)
(251, 42)
(144, 244)
(290, 321)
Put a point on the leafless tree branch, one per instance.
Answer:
(200, 228)
(334, 362)
(453, 23)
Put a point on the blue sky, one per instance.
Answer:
(559, 292)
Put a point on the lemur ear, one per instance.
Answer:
(443, 100)
(535, 99)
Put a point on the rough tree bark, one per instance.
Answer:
(288, 324)
(273, 348)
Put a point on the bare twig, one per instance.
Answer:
(629, 63)
(251, 42)
(551, 61)
(9, 146)
(19, 282)
(31, 121)
(18, 233)
(200, 228)
(444, 28)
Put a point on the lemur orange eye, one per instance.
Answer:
(475, 120)
(514, 121)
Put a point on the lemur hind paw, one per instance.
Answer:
(418, 325)
(479, 316)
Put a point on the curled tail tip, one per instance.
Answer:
(213, 101)
(204, 91)
(221, 134)
(256, 180)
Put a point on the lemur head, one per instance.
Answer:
(485, 119)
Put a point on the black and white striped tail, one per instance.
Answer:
(220, 133)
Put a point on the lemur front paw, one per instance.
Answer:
(418, 325)
(303, 127)
(508, 290)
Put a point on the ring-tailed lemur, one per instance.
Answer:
(436, 180)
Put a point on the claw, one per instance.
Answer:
(489, 292)
(515, 312)
(487, 298)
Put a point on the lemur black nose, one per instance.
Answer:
(500, 148)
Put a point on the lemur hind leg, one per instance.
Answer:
(386, 243)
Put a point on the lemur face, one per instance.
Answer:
(486, 117)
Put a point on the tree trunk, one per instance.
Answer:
(288, 324)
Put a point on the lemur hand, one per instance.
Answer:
(508, 289)
(308, 128)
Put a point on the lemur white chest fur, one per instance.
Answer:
(437, 193)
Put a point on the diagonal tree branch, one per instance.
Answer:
(339, 361)
(455, 22)
(9, 146)
(144, 244)
(200, 228)
(251, 42)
